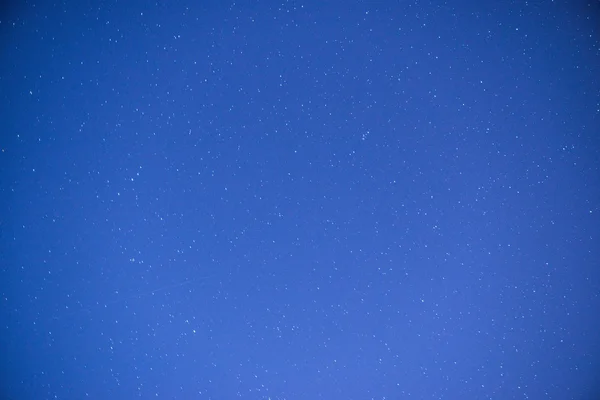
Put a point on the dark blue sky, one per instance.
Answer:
(319, 200)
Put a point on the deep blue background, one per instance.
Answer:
(318, 200)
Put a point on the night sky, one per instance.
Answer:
(288, 200)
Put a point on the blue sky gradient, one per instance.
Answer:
(287, 200)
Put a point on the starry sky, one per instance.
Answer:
(299, 200)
